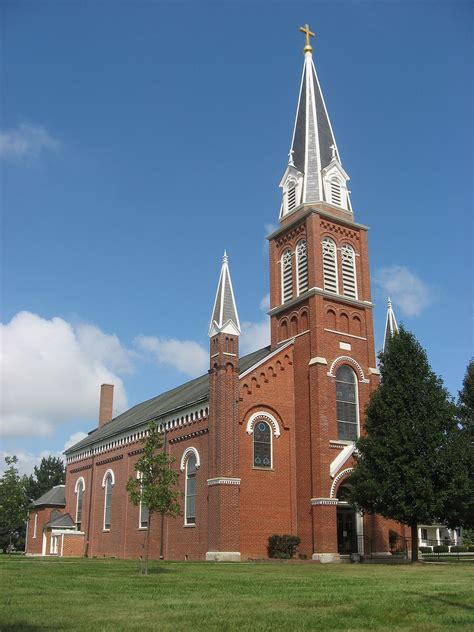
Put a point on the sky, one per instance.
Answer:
(138, 140)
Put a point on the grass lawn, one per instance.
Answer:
(95, 595)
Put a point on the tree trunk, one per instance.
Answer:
(414, 542)
(10, 547)
(147, 542)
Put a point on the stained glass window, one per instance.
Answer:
(262, 445)
(190, 499)
(346, 400)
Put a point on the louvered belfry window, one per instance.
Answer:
(302, 266)
(330, 265)
(287, 276)
(336, 197)
(291, 197)
(349, 285)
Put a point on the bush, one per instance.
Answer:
(426, 549)
(470, 548)
(459, 549)
(282, 546)
(441, 548)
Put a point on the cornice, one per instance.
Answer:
(316, 291)
(297, 215)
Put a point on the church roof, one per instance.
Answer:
(189, 393)
(391, 326)
(224, 315)
(65, 522)
(54, 496)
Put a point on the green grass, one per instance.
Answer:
(96, 595)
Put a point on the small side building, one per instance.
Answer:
(51, 531)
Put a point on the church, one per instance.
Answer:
(263, 443)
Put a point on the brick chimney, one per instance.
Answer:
(106, 404)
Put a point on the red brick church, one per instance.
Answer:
(263, 443)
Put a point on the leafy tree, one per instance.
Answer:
(14, 501)
(412, 458)
(49, 473)
(155, 485)
(466, 401)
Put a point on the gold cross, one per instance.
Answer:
(305, 29)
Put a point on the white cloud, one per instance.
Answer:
(265, 303)
(409, 292)
(51, 373)
(186, 356)
(27, 460)
(254, 336)
(26, 142)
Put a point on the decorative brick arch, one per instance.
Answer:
(265, 416)
(112, 476)
(186, 454)
(336, 481)
(347, 360)
(76, 486)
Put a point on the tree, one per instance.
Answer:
(14, 501)
(155, 485)
(460, 506)
(49, 473)
(412, 457)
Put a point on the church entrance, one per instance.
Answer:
(346, 524)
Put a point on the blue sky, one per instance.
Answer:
(140, 139)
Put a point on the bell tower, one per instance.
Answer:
(320, 299)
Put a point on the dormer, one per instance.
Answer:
(292, 186)
(335, 185)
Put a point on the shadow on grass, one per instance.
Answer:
(444, 598)
(19, 627)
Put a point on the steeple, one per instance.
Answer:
(391, 326)
(224, 315)
(314, 172)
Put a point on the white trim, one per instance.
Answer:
(223, 480)
(348, 359)
(337, 479)
(323, 501)
(35, 525)
(343, 333)
(373, 371)
(317, 360)
(186, 455)
(76, 490)
(356, 402)
(340, 459)
(265, 416)
(140, 505)
(107, 472)
(268, 357)
(43, 548)
(189, 451)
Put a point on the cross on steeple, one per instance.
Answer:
(305, 29)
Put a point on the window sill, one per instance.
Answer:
(189, 526)
(263, 469)
(342, 441)
(105, 530)
(143, 528)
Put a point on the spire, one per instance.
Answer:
(391, 326)
(224, 315)
(315, 162)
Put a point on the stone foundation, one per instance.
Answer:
(223, 556)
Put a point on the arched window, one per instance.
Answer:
(262, 445)
(190, 493)
(79, 496)
(346, 400)
(286, 276)
(302, 266)
(35, 525)
(107, 484)
(349, 286)
(330, 265)
(143, 512)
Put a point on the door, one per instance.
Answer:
(346, 530)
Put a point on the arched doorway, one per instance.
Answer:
(346, 523)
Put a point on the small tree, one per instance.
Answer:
(155, 485)
(49, 473)
(14, 501)
(411, 459)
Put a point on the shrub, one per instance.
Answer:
(459, 549)
(282, 546)
(441, 548)
(426, 549)
(471, 548)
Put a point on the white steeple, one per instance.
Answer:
(224, 314)
(314, 172)
(391, 326)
